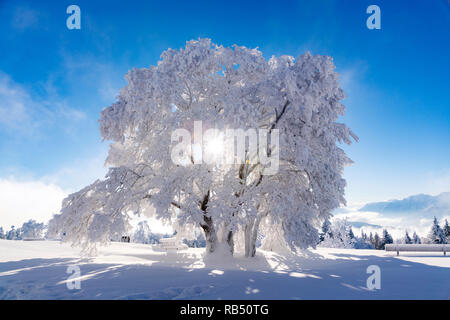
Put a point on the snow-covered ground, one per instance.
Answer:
(38, 270)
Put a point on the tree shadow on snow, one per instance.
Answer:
(276, 277)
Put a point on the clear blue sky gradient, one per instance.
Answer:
(396, 78)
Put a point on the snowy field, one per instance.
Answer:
(38, 270)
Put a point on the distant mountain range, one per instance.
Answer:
(421, 204)
(414, 213)
(358, 224)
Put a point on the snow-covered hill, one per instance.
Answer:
(422, 204)
(414, 214)
(38, 270)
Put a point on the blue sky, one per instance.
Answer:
(55, 81)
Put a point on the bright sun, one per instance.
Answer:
(215, 147)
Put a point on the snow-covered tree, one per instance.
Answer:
(385, 239)
(326, 229)
(2, 233)
(447, 230)
(339, 235)
(363, 242)
(407, 239)
(364, 235)
(12, 234)
(296, 101)
(143, 234)
(436, 234)
(32, 229)
(197, 242)
(377, 241)
(351, 235)
(416, 238)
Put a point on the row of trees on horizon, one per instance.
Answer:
(336, 234)
(29, 230)
(339, 234)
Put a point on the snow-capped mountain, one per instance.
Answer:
(421, 204)
(414, 213)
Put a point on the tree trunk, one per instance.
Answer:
(208, 226)
(254, 237)
(248, 238)
(230, 241)
(251, 235)
(227, 237)
(210, 234)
